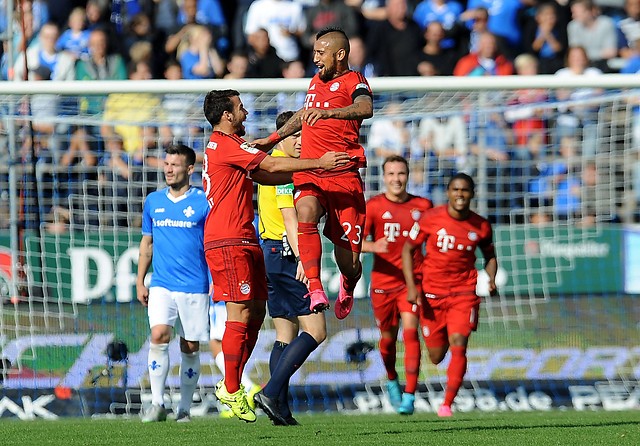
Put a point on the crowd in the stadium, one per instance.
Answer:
(273, 38)
(529, 152)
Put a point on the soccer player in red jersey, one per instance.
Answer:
(337, 101)
(449, 304)
(390, 217)
(232, 251)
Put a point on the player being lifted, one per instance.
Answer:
(449, 304)
(337, 101)
(390, 217)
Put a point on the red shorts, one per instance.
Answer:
(388, 305)
(342, 198)
(238, 273)
(443, 316)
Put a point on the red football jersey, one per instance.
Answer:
(393, 221)
(338, 135)
(228, 159)
(449, 264)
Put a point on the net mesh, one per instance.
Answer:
(556, 172)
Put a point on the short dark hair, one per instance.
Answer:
(395, 159)
(181, 149)
(283, 118)
(216, 103)
(465, 177)
(334, 29)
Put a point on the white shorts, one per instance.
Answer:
(165, 307)
(217, 320)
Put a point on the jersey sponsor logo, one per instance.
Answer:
(247, 148)
(363, 85)
(158, 210)
(446, 242)
(387, 216)
(188, 212)
(285, 189)
(416, 214)
(170, 223)
(212, 145)
(334, 86)
(245, 288)
(391, 231)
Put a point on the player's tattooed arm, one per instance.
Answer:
(293, 125)
(361, 108)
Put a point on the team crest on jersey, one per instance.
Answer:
(334, 86)
(212, 145)
(472, 236)
(247, 148)
(188, 212)
(415, 214)
(245, 288)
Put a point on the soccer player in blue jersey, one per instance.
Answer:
(173, 240)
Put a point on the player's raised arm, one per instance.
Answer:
(362, 108)
(293, 125)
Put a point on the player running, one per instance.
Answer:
(449, 311)
(390, 217)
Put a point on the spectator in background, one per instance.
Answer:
(189, 13)
(210, 14)
(487, 61)
(75, 39)
(442, 150)
(503, 22)
(436, 61)
(629, 29)
(326, 14)
(198, 59)
(284, 22)
(101, 65)
(263, 58)
(238, 65)
(594, 32)
(395, 44)
(42, 52)
(547, 40)
(358, 57)
(388, 136)
(291, 101)
(445, 12)
(468, 38)
(372, 10)
(578, 119)
(131, 116)
(139, 30)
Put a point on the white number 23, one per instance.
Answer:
(347, 230)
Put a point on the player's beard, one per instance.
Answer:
(240, 130)
(326, 74)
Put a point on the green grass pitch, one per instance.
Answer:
(477, 429)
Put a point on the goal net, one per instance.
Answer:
(557, 171)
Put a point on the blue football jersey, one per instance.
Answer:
(177, 228)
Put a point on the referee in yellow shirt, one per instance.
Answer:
(288, 305)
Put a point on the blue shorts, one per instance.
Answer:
(286, 294)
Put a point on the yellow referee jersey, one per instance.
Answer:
(270, 200)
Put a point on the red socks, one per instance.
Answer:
(411, 359)
(388, 352)
(253, 328)
(455, 372)
(233, 346)
(310, 247)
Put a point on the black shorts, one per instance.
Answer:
(286, 294)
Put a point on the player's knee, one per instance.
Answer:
(437, 355)
(160, 334)
(189, 346)
(319, 334)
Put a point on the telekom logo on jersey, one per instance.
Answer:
(391, 231)
(310, 102)
(447, 241)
